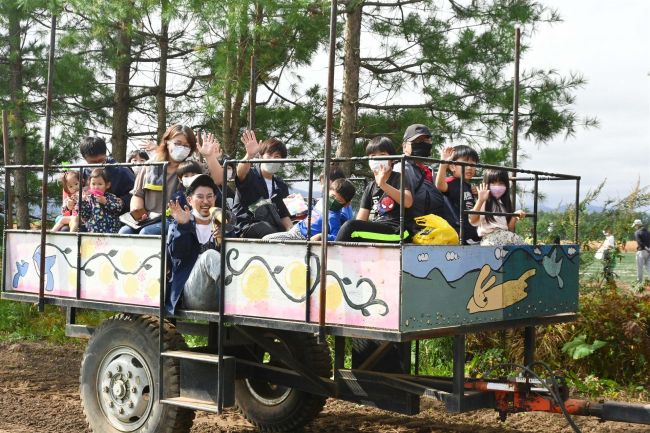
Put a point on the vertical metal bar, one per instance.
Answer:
(322, 298)
(9, 223)
(163, 284)
(78, 232)
(339, 352)
(417, 357)
(530, 340)
(461, 204)
(221, 293)
(310, 194)
(46, 161)
(535, 207)
(401, 200)
(70, 315)
(515, 113)
(575, 229)
(458, 385)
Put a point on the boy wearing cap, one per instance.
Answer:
(642, 238)
(192, 244)
(426, 197)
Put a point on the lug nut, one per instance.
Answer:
(129, 375)
(110, 404)
(134, 390)
(131, 405)
(121, 411)
(109, 374)
(106, 389)
(118, 368)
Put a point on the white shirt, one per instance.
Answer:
(485, 227)
(269, 186)
(203, 232)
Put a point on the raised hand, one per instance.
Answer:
(447, 152)
(382, 173)
(250, 143)
(210, 146)
(148, 145)
(179, 213)
(483, 192)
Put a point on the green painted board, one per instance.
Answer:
(446, 286)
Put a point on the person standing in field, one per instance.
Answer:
(642, 238)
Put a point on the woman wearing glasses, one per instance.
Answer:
(177, 144)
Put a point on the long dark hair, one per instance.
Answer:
(492, 204)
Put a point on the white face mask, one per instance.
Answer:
(198, 216)
(187, 181)
(271, 167)
(179, 153)
(374, 165)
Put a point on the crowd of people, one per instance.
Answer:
(193, 180)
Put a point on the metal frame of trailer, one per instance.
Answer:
(273, 368)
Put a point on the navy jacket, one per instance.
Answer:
(122, 179)
(253, 188)
(183, 250)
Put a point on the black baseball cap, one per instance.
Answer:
(201, 180)
(415, 131)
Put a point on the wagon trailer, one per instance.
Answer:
(266, 352)
(280, 302)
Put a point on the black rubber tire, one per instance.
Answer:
(137, 335)
(297, 408)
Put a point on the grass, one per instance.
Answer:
(625, 270)
(22, 321)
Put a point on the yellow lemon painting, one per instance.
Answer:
(255, 283)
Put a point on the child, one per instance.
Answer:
(100, 210)
(341, 192)
(452, 189)
(186, 172)
(378, 219)
(137, 157)
(494, 196)
(70, 182)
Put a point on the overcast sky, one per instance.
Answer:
(608, 42)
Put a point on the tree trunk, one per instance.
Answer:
(162, 78)
(351, 62)
(121, 101)
(227, 140)
(18, 121)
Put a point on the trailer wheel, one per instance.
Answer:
(276, 408)
(119, 378)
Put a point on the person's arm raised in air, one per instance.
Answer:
(483, 195)
(211, 150)
(252, 149)
(180, 240)
(381, 178)
(441, 183)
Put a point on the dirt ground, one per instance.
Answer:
(39, 386)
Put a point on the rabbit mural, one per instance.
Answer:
(490, 297)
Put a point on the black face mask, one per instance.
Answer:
(421, 149)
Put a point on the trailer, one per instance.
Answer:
(288, 313)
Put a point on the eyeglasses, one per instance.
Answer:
(202, 197)
(177, 144)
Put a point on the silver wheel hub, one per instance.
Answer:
(124, 387)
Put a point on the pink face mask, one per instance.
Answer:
(497, 191)
(95, 192)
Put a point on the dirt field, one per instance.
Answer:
(39, 394)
